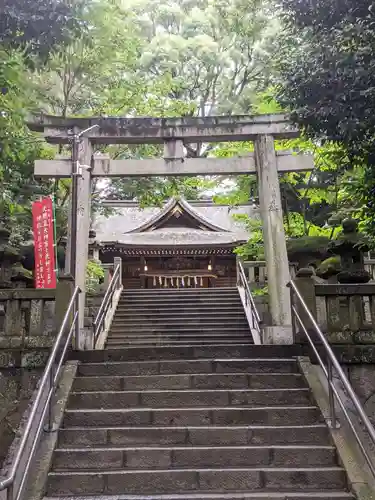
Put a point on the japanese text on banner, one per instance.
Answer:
(45, 273)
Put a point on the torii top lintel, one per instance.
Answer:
(118, 130)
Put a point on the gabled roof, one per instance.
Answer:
(176, 207)
(178, 223)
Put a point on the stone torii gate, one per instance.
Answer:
(174, 133)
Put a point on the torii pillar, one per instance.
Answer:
(277, 263)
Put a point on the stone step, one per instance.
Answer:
(179, 292)
(189, 398)
(190, 366)
(201, 416)
(239, 320)
(191, 339)
(154, 306)
(187, 305)
(313, 434)
(131, 351)
(196, 381)
(190, 480)
(269, 495)
(182, 326)
(170, 345)
(170, 334)
(155, 340)
(179, 296)
(236, 350)
(120, 458)
(193, 311)
(187, 299)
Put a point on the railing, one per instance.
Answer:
(12, 487)
(346, 308)
(256, 272)
(249, 305)
(26, 313)
(370, 267)
(332, 363)
(114, 285)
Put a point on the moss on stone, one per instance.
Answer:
(330, 266)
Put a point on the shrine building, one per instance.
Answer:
(181, 245)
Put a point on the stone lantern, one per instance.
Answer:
(350, 246)
(8, 257)
(94, 246)
(21, 277)
(350, 311)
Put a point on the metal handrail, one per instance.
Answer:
(256, 322)
(107, 302)
(328, 372)
(14, 483)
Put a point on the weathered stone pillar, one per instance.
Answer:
(64, 292)
(274, 242)
(306, 286)
(117, 261)
(83, 229)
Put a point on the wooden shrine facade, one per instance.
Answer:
(182, 245)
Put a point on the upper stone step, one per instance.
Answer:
(196, 381)
(198, 416)
(290, 495)
(189, 398)
(181, 290)
(245, 366)
(227, 312)
(313, 434)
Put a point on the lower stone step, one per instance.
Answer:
(192, 338)
(188, 366)
(155, 341)
(213, 335)
(290, 495)
(196, 381)
(117, 458)
(189, 398)
(182, 327)
(217, 351)
(316, 434)
(190, 480)
(293, 415)
(175, 345)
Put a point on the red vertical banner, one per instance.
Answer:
(44, 252)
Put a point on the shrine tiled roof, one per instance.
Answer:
(136, 226)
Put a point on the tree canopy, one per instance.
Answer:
(314, 59)
(327, 81)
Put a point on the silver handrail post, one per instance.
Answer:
(76, 325)
(49, 425)
(113, 286)
(294, 326)
(253, 316)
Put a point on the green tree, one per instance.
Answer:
(210, 53)
(327, 81)
(38, 25)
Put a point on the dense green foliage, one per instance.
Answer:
(195, 57)
(327, 81)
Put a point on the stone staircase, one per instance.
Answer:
(202, 422)
(179, 317)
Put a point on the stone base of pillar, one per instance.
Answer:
(277, 335)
